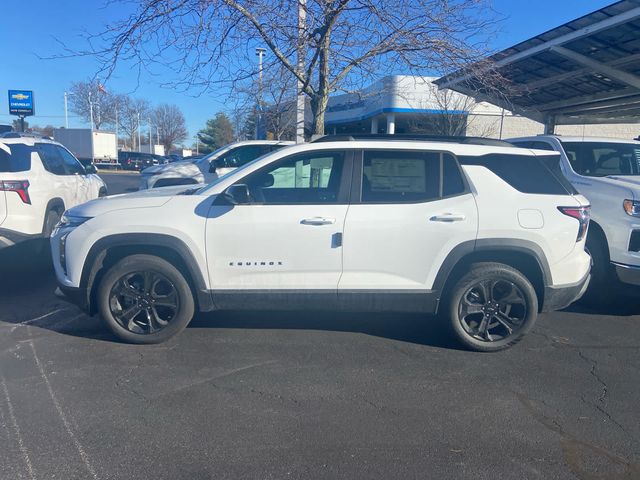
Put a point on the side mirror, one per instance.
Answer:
(89, 169)
(237, 194)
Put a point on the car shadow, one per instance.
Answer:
(624, 305)
(24, 266)
(411, 328)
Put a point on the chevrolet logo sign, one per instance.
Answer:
(19, 96)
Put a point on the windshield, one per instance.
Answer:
(601, 159)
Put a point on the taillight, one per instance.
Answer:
(21, 187)
(581, 214)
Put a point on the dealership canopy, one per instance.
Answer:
(585, 71)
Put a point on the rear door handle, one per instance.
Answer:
(318, 221)
(448, 217)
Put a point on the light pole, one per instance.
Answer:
(197, 145)
(260, 53)
(300, 101)
(139, 133)
(91, 110)
(66, 109)
(150, 147)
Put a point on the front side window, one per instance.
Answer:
(239, 156)
(51, 158)
(600, 159)
(312, 178)
(72, 165)
(400, 176)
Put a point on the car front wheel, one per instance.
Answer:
(145, 299)
(492, 307)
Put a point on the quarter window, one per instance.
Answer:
(303, 179)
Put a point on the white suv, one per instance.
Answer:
(39, 179)
(209, 167)
(485, 235)
(607, 172)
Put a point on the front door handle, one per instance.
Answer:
(318, 221)
(448, 217)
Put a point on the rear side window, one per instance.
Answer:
(525, 173)
(400, 176)
(452, 183)
(18, 161)
(239, 156)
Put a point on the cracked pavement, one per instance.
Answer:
(310, 395)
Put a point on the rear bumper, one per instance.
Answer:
(629, 274)
(561, 296)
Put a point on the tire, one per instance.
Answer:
(598, 292)
(134, 297)
(50, 221)
(102, 192)
(470, 307)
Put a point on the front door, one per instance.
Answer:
(283, 248)
(414, 208)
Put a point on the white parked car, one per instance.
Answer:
(39, 180)
(607, 172)
(485, 235)
(210, 167)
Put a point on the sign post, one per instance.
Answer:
(21, 104)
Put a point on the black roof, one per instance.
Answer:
(410, 137)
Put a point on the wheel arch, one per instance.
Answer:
(55, 204)
(109, 250)
(524, 256)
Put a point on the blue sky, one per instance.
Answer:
(23, 42)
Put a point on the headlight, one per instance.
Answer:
(632, 207)
(71, 221)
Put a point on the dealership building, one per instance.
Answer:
(413, 104)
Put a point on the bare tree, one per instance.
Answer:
(91, 101)
(171, 125)
(344, 42)
(132, 112)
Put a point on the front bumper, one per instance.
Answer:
(629, 274)
(74, 295)
(561, 296)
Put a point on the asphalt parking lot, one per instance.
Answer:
(309, 395)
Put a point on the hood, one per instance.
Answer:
(175, 167)
(629, 181)
(155, 197)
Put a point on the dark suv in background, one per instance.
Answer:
(139, 160)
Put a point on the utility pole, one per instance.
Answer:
(139, 133)
(260, 53)
(116, 126)
(300, 101)
(66, 114)
(149, 123)
(91, 110)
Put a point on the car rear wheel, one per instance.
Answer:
(598, 292)
(144, 299)
(492, 307)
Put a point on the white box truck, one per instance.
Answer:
(89, 146)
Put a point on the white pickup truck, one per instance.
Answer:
(607, 172)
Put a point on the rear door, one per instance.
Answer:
(408, 210)
(59, 182)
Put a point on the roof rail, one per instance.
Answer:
(24, 135)
(414, 137)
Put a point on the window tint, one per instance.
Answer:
(51, 158)
(236, 157)
(525, 173)
(400, 176)
(452, 182)
(599, 159)
(72, 165)
(309, 178)
(18, 161)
